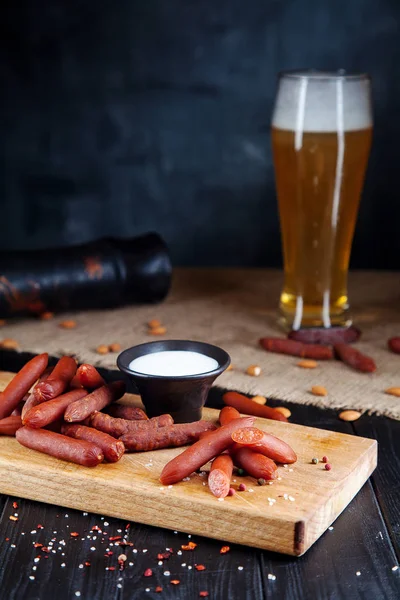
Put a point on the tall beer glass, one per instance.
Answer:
(321, 138)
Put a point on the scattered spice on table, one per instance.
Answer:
(224, 549)
(328, 467)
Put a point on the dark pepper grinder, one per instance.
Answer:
(103, 274)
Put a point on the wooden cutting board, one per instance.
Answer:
(304, 501)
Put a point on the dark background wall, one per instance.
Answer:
(123, 116)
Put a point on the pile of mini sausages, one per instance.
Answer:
(71, 413)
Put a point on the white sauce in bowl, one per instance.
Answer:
(173, 363)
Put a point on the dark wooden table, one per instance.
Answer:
(357, 558)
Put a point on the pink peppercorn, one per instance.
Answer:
(328, 467)
(242, 487)
(232, 492)
(324, 459)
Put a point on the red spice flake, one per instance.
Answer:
(109, 553)
(328, 467)
(15, 505)
(111, 568)
(242, 487)
(189, 546)
(175, 581)
(224, 549)
(7, 539)
(324, 459)
(45, 549)
(96, 528)
(87, 564)
(200, 567)
(163, 556)
(158, 589)
(125, 543)
(148, 573)
(115, 537)
(204, 594)
(74, 534)
(128, 526)
(39, 526)
(12, 518)
(37, 545)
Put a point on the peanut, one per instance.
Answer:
(154, 323)
(230, 368)
(319, 390)
(2, 322)
(307, 364)
(393, 391)
(68, 324)
(284, 411)
(114, 347)
(158, 330)
(253, 370)
(46, 316)
(259, 399)
(349, 415)
(9, 343)
(102, 349)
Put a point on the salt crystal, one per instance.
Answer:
(167, 573)
(144, 550)
(118, 530)
(170, 486)
(358, 573)
(34, 568)
(106, 524)
(66, 516)
(179, 552)
(13, 546)
(240, 568)
(119, 585)
(271, 577)
(131, 564)
(285, 466)
(85, 514)
(190, 567)
(33, 531)
(36, 560)
(330, 528)
(395, 568)
(63, 565)
(135, 550)
(220, 499)
(160, 563)
(189, 536)
(291, 499)
(290, 470)
(251, 490)
(93, 548)
(81, 566)
(147, 589)
(31, 577)
(183, 565)
(77, 593)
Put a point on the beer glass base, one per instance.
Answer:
(311, 317)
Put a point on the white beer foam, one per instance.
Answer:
(317, 103)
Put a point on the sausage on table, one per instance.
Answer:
(9, 425)
(48, 412)
(265, 444)
(202, 451)
(112, 449)
(58, 380)
(80, 452)
(119, 427)
(131, 413)
(166, 437)
(100, 398)
(32, 401)
(227, 414)
(219, 479)
(87, 376)
(249, 407)
(21, 384)
(254, 463)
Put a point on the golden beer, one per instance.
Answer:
(319, 178)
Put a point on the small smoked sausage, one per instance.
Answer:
(325, 335)
(48, 412)
(264, 443)
(112, 449)
(21, 384)
(255, 464)
(394, 344)
(119, 427)
(9, 425)
(166, 437)
(80, 452)
(249, 407)
(354, 358)
(89, 377)
(122, 411)
(101, 397)
(219, 479)
(32, 400)
(294, 348)
(57, 382)
(227, 414)
(202, 451)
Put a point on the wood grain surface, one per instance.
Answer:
(131, 489)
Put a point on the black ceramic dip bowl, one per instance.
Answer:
(181, 396)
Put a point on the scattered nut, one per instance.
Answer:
(154, 323)
(114, 347)
(253, 370)
(259, 399)
(307, 364)
(102, 349)
(284, 411)
(158, 330)
(349, 415)
(2, 322)
(9, 343)
(319, 390)
(315, 461)
(69, 324)
(46, 316)
(394, 391)
(230, 368)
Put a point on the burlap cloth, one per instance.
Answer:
(233, 309)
